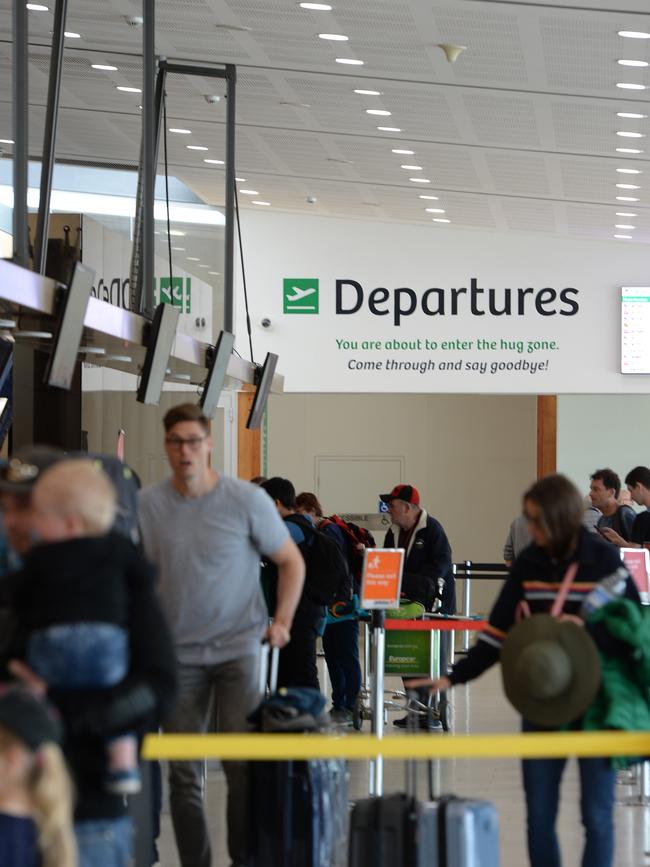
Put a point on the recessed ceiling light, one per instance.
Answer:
(412, 168)
(176, 233)
(625, 134)
(420, 180)
(624, 237)
(440, 220)
(633, 34)
(629, 171)
(631, 114)
(214, 273)
(628, 186)
(369, 92)
(214, 162)
(129, 89)
(349, 61)
(71, 35)
(36, 7)
(241, 180)
(179, 131)
(624, 226)
(205, 266)
(7, 141)
(435, 210)
(625, 214)
(192, 258)
(389, 128)
(435, 198)
(125, 359)
(402, 151)
(261, 203)
(626, 199)
(336, 37)
(626, 85)
(105, 67)
(632, 62)
(179, 249)
(316, 7)
(249, 192)
(379, 111)
(197, 148)
(628, 151)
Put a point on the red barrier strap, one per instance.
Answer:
(431, 625)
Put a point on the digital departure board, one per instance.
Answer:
(635, 329)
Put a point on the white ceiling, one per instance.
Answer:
(518, 134)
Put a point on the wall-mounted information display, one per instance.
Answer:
(635, 329)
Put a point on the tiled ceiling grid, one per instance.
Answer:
(520, 133)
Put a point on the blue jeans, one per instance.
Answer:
(105, 842)
(341, 646)
(542, 778)
(80, 655)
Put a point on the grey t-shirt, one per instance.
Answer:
(207, 551)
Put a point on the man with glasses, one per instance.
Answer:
(207, 534)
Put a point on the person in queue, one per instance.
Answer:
(207, 534)
(428, 574)
(102, 825)
(554, 511)
(35, 789)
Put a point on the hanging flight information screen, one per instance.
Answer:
(635, 329)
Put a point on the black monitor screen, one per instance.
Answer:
(159, 347)
(62, 362)
(262, 393)
(217, 373)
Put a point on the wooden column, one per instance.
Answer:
(546, 434)
(249, 442)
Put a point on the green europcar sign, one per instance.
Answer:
(300, 295)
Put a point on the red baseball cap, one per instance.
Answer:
(402, 492)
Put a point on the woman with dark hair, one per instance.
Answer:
(562, 551)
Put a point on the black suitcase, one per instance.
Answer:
(298, 809)
(396, 830)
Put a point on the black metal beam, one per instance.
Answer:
(189, 69)
(21, 144)
(148, 155)
(229, 252)
(49, 136)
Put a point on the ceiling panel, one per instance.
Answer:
(518, 134)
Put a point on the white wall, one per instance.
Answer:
(471, 457)
(595, 431)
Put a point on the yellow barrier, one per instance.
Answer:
(310, 746)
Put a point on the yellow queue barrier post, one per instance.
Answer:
(266, 747)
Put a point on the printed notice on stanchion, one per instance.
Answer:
(381, 580)
(637, 561)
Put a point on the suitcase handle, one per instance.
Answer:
(269, 662)
(411, 765)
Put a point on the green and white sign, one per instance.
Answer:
(300, 295)
(177, 292)
(408, 652)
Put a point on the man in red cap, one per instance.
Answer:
(427, 567)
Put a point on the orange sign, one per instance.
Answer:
(382, 577)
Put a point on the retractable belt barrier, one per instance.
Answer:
(265, 747)
(469, 571)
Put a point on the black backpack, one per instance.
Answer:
(126, 485)
(327, 577)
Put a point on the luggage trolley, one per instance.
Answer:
(408, 652)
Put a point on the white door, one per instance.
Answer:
(353, 484)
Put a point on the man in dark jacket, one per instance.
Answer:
(428, 573)
(428, 554)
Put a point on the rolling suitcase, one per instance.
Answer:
(396, 830)
(298, 808)
(469, 833)
(401, 831)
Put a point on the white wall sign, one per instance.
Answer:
(377, 307)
